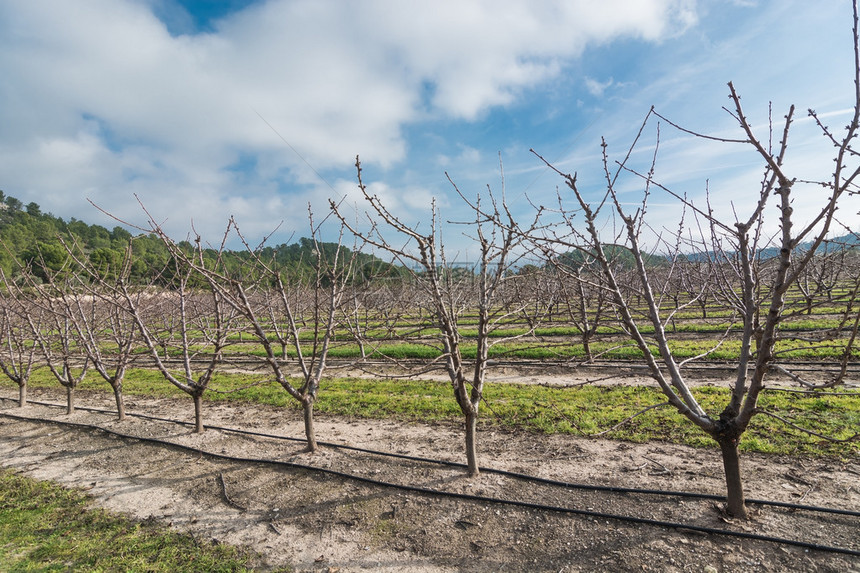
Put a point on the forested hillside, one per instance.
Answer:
(35, 240)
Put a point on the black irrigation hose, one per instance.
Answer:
(615, 364)
(506, 473)
(810, 391)
(462, 496)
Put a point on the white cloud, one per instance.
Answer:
(595, 87)
(468, 155)
(99, 100)
(482, 53)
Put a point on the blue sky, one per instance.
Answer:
(257, 108)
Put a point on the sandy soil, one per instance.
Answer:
(319, 522)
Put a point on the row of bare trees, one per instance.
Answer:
(187, 330)
(736, 274)
(202, 320)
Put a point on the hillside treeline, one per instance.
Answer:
(39, 242)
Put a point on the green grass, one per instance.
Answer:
(45, 527)
(580, 410)
(591, 409)
(570, 349)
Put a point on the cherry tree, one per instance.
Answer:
(17, 351)
(450, 291)
(757, 297)
(185, 329)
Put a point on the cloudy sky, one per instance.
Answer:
(255, 108)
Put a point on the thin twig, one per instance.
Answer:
(622, 422)
(226, 496)
(665, 469)
(853, 438)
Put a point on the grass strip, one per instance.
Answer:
(535, 349)
(46, 527)
(582, 410)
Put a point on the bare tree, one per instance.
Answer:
(841, 337)
(18, 352)
(50, 327)
(53, 333)
(281, 312)
(105, 333)
(184, 324)
(583, 298)
(737, 246)
(375, 309)
(68, 324)
(312, 306)
(451, 291)
(822, 275)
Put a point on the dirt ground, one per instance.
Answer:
(312, 521)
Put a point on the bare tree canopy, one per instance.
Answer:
(448, 293)
(728, 253)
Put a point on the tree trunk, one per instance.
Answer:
(586, 347)
(70, 399)
(198, 414)
(735, 502)
(310, 434)
(471, 443)
(120, 404)
(22, 395)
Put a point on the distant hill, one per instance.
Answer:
(624, 257)
(619, 254)
(830, 245)
(32, 239)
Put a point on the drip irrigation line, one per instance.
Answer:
(452, 495)
(506, 473)
(810, 391)
(614, 364)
